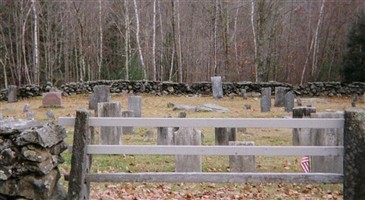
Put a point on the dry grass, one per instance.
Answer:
(156, 106)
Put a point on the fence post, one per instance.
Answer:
(80, 160)
(354, 157)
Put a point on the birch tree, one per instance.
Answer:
(138, 40)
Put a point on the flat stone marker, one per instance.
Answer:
(188, 163)
(265, 99)
(279, 96)
(289, 101)
(242, 163)
(12, 93)
(101, 94)
(127, 129)
(135, 105)
(327, 137)
(52, 99)
(224, 135)
(110, 135)
(217, 88)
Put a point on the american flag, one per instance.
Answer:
(305, 164)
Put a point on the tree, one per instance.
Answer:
(354, 59)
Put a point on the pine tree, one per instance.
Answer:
(354, 59)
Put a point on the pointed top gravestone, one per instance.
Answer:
(101, 94)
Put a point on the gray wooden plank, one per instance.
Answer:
(199, 177)
(211, 122)
(216, 150)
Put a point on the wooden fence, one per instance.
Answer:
(83, 148)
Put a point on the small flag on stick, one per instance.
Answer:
(305, 164)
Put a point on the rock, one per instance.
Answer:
(215, 107)
(184, 107)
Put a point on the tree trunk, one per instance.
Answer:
(138, 41)
(35, 43)
(254, 40)
(100, 60)
(127, 36)
(154, 41)
(179, 43)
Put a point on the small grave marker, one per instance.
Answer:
(217, 87)
(12, 93)
(265, 99)
(242, 163)
(52, 99)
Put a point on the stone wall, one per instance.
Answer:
(204, 88)
(30, 153)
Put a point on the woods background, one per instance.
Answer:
(59, 41)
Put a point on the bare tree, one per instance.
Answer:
(138, 40)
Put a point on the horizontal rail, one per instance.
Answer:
(196, 177)
(216, 150)
(210, 122)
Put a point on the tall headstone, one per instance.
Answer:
(301, 136)
(279, 96)
(265, 99)
(327, 137)
(135, 105)
(12, 93)
(217, 88)
(165, 135)
(188, 163)
(238, 163)
(101, 94)
(289, 101)
(224, 135)
(110, 135)
(127, 129)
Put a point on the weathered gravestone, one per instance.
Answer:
(244, 94)
(12, 93)
(301, 136)
(110, 135)
(265, 99)
(187, 163)
(165, 135)
(224, 135)
(101, 94)
(127, 129)
(52, 99)
(217, 88)
(279, 96)
(327, 137)
(135, 105)
(289, 101)
(242, 163)
(148, 136)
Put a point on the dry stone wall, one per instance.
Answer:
(201, 88)
(30, 154)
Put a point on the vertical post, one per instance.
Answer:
(110, 135)
(78, 188)
(12, 93)
(265, 99)
(217, 87)
(354, 157)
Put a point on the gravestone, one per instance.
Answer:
(26, 108)
(217, 88)
(52, 99)
(244, 94)
(224, 135)
(289, 101)
(301, 136)
(135, 105)
(165, 135)
(327, 137)
(148, 136)
(101, 94)
(187, 163)
(12, 93)
(239, 163)
(127, 129)
(265, 99)
(110, 135)
(279, 96)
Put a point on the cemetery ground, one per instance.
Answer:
(156, 106)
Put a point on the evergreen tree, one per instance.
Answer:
(354, 59)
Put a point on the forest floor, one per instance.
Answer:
(156, 106)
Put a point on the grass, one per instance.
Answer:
(156, 106)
